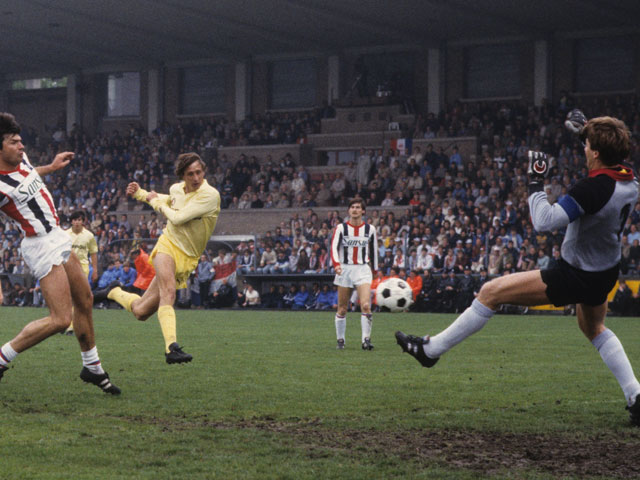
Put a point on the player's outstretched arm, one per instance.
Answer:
(544, 216)
(198, 207)
(132, 188)
(61, 160)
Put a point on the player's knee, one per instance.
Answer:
(85, 304)
(488, 294)
(365, 307)
(139, 314)
(61, 322)
(342, 311)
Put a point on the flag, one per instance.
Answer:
(224, 271)
(402, 145)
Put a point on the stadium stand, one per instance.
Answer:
(456, 190)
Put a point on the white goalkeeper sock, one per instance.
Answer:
(7, 354)
(365, 323)
(616, 359)
(469, 322)
(341, 326)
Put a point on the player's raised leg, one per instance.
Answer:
(524, 288)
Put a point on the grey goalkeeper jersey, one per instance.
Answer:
(594, 212)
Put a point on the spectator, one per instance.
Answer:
(222, 296)
(251, 297)
(289, 297)
(300, 298)
(327, 298)
(272, 299)
(205, 274)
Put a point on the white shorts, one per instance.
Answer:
(41, 253)
(353, 276)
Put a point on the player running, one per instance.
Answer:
(353, 248)
(594, 214)
(46, 249)
(191, 210)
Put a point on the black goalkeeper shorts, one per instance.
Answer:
(567, 284)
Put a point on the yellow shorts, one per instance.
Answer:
(184, 263)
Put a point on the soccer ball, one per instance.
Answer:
(394, 294)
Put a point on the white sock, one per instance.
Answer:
(365, 323)
(341, 326)
(616, 359)
(91, 360)
(7, 354)
(469, 322)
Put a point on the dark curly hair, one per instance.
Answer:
(8, 126)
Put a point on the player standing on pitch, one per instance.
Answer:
(85, 247)
(191, 209)
(594, 214)
(46, 249)
(353, 248)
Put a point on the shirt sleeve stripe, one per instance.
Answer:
(570, 206)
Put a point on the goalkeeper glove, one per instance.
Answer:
(539, 166)
(575, 121)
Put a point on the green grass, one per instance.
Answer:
(268, 396)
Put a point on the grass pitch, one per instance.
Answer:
(268, 396)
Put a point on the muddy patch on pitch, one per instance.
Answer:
(610, 455)
(490, 453)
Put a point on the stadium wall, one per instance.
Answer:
(40, 108)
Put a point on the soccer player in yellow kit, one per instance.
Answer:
(85, 248)
(191, 210)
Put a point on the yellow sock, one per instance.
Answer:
(167, 319)
(125, 299)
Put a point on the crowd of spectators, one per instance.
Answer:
(459, 211)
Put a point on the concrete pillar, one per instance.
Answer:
(540, 72)
(242, 91)
(73, 101)
(154, 99)
(5, 85)
(333, 67)
(434, 77)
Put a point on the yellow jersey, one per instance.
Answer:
(84, 244)
(191, 217)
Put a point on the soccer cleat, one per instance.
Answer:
(413, 346)
(634, 412)
(176, 355)
(101, 295)
(69, 332)
(99, 380)
(366, 345)
(2, 370)
(340, 345)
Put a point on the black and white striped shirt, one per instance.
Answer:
(25, 200)
(354, 245)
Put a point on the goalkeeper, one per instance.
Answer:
(191, 210)
(593, 213)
